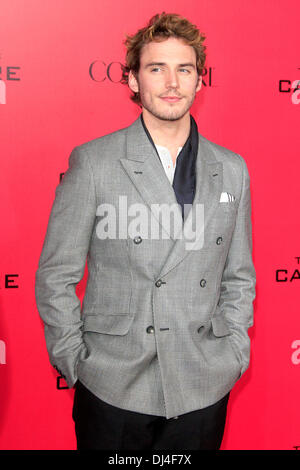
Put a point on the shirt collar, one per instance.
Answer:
(192, 140)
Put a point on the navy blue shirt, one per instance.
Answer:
(184, 182)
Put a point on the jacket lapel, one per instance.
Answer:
(147, 174)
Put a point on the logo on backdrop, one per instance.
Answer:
(59, 385)
(291, 86)
(10, 283)
(101, 71)
(285, 275)
(8, 73)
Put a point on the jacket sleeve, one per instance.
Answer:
(238, 279)
(62, 263)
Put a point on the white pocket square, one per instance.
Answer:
(227, 197)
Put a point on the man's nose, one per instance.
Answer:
(172, 79)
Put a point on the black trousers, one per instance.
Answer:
(100, 426)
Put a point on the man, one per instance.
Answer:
(162, 335)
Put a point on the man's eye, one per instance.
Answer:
(185, 70)
(155, 69)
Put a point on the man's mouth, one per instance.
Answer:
(171, 99)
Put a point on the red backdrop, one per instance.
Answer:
(59, 87)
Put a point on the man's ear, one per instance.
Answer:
(199, 84)
(132, 82)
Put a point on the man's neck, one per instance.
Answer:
(170, 134)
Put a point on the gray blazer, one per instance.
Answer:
(163, 329)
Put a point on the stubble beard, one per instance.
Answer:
(167, 115)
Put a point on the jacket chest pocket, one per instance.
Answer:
(227, 211)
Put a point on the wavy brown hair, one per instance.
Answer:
(161, 27)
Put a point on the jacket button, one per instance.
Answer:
(150, 329)
(137, 239)
(219, 240)
(158, 283)
(203, 283)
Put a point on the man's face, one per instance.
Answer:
(167, 80)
